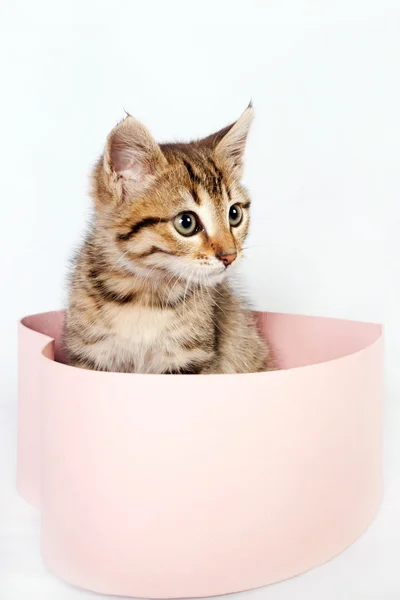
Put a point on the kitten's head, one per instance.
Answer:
(173, 210)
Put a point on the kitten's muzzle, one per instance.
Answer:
(228, 258)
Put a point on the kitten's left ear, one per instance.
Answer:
(132, 157)
(229, 144)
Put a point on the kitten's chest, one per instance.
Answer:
(143, 327)
(154, 340)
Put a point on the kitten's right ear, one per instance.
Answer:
(229, 143)
(132, 158)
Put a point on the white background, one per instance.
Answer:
(323, 168)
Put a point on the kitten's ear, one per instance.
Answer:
(132, 157)
(229, 144)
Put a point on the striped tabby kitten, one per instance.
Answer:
(149, 292)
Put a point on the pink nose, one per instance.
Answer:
(227, 259)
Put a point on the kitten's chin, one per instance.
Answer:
(208, 279)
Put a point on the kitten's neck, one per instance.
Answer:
(154, 288)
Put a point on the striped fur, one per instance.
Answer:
(143, 298)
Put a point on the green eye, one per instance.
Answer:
(186, 224)
(235, 215)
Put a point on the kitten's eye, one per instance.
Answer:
(186, 224)
(235, 215)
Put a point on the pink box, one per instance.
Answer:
(171, 486)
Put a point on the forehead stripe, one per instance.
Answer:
(195, 179)
(215, 177)
(216, 173)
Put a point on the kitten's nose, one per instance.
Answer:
(228, 258)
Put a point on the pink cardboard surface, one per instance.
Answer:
(172, 486)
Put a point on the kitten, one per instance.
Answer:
(149, 292)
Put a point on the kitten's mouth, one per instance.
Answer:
(208, 275)
(203, 274)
